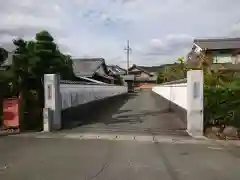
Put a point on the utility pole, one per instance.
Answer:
(128, 49)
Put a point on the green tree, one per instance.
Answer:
(182, 67)
(175, 72)
(24, 63)
(51, 59)
(33, 59)
(3, 55)
(167, 75)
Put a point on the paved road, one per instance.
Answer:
(137, 113)
(171, 155)
(26, 158)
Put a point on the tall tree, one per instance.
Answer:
(3, 55)
(182, 67)
(51, 59)
(24, 62)
(33, 59)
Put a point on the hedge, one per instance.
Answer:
(222, 106)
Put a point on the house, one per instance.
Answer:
(155, 70)
(221, 54)
(116, 70)
(141, 75)
(93, 68)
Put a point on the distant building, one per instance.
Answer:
(94, 68)
(142, 75)
(221, 54)
(116, 70)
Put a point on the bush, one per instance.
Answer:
(31, 112)
(222, 106)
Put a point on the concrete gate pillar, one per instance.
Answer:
(195, 83)
(52, 98)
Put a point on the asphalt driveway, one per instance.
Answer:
(137, 113)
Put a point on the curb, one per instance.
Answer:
(8, 133)
(235, 143)
(118, 137)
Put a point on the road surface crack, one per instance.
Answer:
(105, 165)
(172, 173)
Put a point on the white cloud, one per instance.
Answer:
(235, 30)
(168, 49)
(157, 44)
(159, 30)
(13, 21)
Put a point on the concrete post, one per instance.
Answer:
(47, 120)
(52, 101)
(195, 102)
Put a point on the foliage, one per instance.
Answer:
(222, 106)
(221, 91)
(51, 57)
(3, 55)
(31, 60)
(175, 72)
(221, 96)
(235, 83)
(165, 76)
(211, 77)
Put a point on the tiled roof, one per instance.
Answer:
(86, 67)
(154, 78)
(217, 44)
(155, 69)
(117, 70)
(139, 69)
(151, 68)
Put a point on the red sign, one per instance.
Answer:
(11, 113)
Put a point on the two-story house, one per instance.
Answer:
(219, 53)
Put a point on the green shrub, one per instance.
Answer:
(222, 106)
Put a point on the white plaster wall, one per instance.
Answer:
(176, 93)
(76, 94)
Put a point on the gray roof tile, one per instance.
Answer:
(215, 44)
(86, 67)
(117, 70)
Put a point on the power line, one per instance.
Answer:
(129, 50)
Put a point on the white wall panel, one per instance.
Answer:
(76, 94)
(176, 93)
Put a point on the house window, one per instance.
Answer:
(222, 58)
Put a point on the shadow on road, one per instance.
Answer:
(132, 118)
(97, 111)
(129, 113)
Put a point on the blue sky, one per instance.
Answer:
(159, 30)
